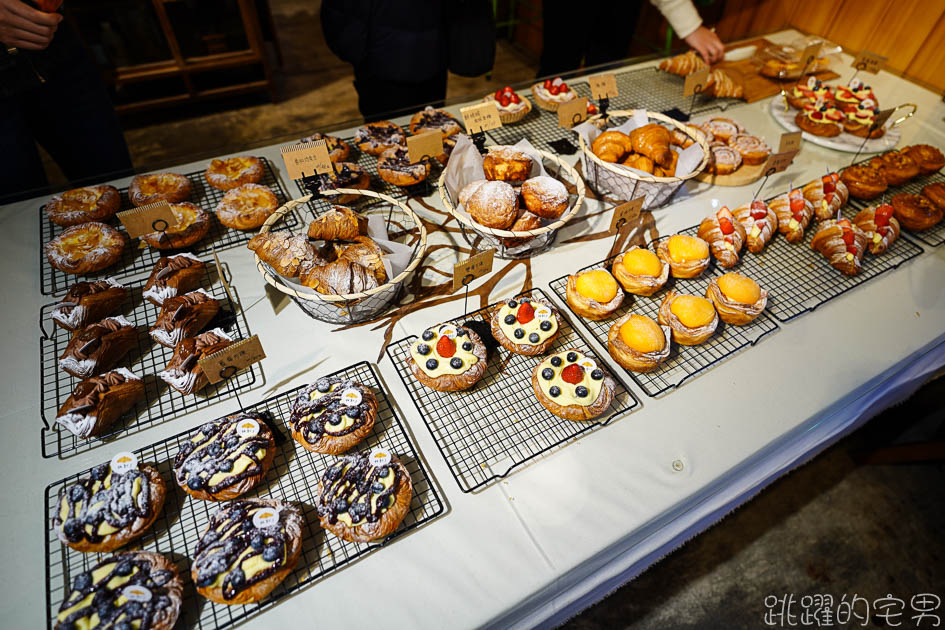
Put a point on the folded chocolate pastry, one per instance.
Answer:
(97, 402)
(98, 347)
(88, 302)
(172, 276)
(184, 316)
(183, 372)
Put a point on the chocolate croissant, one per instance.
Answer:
(842, 243)
(98, 347)
(339, 223)
(183, 371)
(653, 141)
(184, 316)
(173, 275)
(725, 236)
(684, 64)
(97, 402)
(88, 302)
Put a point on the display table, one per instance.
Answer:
(556, 534)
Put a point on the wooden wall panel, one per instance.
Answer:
(815, 16)
(929, 64)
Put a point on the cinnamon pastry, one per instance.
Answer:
(247, 549)
(96, 403)
(827, 195)
(169, 187)
(935, 192)
(183, 371)
(545, 196)
(507, 164)
(897, 168)
(332, 415)
(723, 159)
(338, 149)
(98, 347)
(691, 319)
(760, 223)
(753, 149)
(524, 222)
(193, 223)
(683, 140)
(864, 181)
(394, 167)
(448, 358)
(86, 248)
(842, 243)
(225, 458)
(183, 316)
(429, 118)
(638, 343)
(82, 205)
(573, 386)
(725, 236)
(345, 175)
(825, 121)
(138, 588)
(880, 226)
(721, 85)
(234, 172)
(612, 146)
(928, 158)
(364, 496)
(684, 64)
(723, 128)
(640, 271)
(172, 276)
(284, 252)
(246, 207)
(593, 294)
(376, 137)
(87, 302)
(107, 509)
(525, 326)
(653, 141)
(794, 214)
(687, 256)
(737, 298)
(338, 224)
(916, 212)
(493, 204)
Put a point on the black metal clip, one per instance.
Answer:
(604, 104)
(479, 139)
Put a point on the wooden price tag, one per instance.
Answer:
(233, 358)
(428, 144)
(778, 162)
(790, 142)
(882, 117)
(473, 267)
(572, 112)
(695, 82)
(154, 217)
(869, 62)
(810, 54)
(625, 214)
(481, 117)
(603, 86)
(307, 158)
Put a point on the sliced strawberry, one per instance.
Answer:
(563, 87)
(729, 240)
(515, 98)
(445, 347)
(828, 197)
(851, 249)
(883, 214)
(758, 210)
(797, 205)
(828, 183)
(573, 374)
(525, 313)
(835, 115)
(817, 116)
(726, 226)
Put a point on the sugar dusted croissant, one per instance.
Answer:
(881, 227)
(794, 214)
(283, 251)
(721, 85)
(339, 223)
(653, 141)
(725, 236)
(683, 64)
(760, 223)
(340, 277)
(827, 195)
(842, 243)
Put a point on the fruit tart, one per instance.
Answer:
(863, 181)
(859, 121)
(169, 187)
(794, 214)
(916, 212)
(638, 343)
(512, 107)
(827, 195)
(593, 294)
(448, 358)
(97, 347)
(376, 137)
(881, 227)
(737, 298)
(551, 93)
(87, 302)
(429, 118)
(823, 120)
(760, 223)
(842, 244)
(525, 326)
(332, 415)
(573, 386)
(687, 256)
(394, 167)
(640, 272)
(691, 319)
(808, 91)
(97, 402)
(246, 207)
(725, 236)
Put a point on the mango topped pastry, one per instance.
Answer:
(594, 294)
(640, 271)
(687, 256)
(638, 343)
(737, 298)
(692, 319)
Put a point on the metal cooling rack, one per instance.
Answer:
(291, 478)
(658, 91)
(539, 126)
(134, 260)
(485, 432)
(161, 402)
(683, 362)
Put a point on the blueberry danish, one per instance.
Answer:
(332, 415)
(573, 386)
(448, 358)
(525, 326)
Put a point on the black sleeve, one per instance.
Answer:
(346, 26)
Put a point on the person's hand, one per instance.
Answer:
(22, 26)
(706, 43)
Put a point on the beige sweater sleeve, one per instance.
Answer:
(681, 15)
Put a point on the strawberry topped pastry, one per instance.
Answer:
(551, 93)
(827, 195)
(842, 244)
(794, 213)
(512, 107)
(808, 91)
(822, 118)
(725, 236)
(859, 120)
(881, 227)
(573, 386)
(525, 326)
(760, 223)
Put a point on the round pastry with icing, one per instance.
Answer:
(193, 223)
(247, 549)
(691, 319)
(332, 415)
(428, 119)
(723, 128)
(593, 294)
(81, 205)
(86, 248)
(225, 458)
(448, 358)
(136, 589)
(233, 172)
(338, 149)
(571, 385)
(507, 164)
(897, 167)
(394, 167)
(863, 181)
(640, 271)
(376, 137)
(525, 326)
(105, 510)
(752, 149)
(737, 298)
(246, 207)
(169, 187)
(364, 496)
(545, 196)
(723, 159)
(687, 256)
(638, 343)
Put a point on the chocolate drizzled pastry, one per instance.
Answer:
(332, 415)
(137, 589)
(88, 302)
(98, 347)
(238, 562)
(183, 372)
(172, 276)
(184, 316)
(429, 118)
(394, 167)
(218, 463)
(97, 402)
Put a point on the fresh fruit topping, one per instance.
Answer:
(518, 333)
(573, 374)
(797, 206)
(693, 311)
(432, 364)
(553, 90)
(597, 375)
(554, 391)
(835, 115)
(851, 249)
(591, 109)
(883, 214)
(467, 346)
(563, 87)
(642, 334)
(848, 237)
(508, 89)
(572, 357)
(534, 338)
(817, 116)
(498, 94)
(547, 374)
(557, 81)
(526, 313)
(545, 325)
(642, 262)
(740, 288)
(427, 335)
(829, 183)
(597, 285)
(580, 391)
(547, 84)
(556, 361)
(445, 347)
(725, 222)
(683, 248)
(515, 98)
(504, 101)
(509, 319)
(423, 349)
(456, 363)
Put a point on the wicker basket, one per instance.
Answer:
(606, 177)
(402, 225)
(529, 242)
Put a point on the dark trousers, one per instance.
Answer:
(379, 98)
(600, 32)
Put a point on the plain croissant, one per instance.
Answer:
(683, 64)
(653, 141)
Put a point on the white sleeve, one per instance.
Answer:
(681, 14)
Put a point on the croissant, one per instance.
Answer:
(794, 214)
(881, 227)
(725, 236)
(721, 85)
(283, 252)
(339, 277)
(760, 223)
(339, 223)
(842, 243)
(639, 162)
(653, 141)
(365, 252)
(827, 195)
(683, 64)
(611, 146)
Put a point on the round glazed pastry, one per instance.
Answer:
(394, 167)
(507, 164)
(429, 118)
(193, 222)
(82, 205)
(225, 458)
(448, 358)
(897, 168)
(723, 128)
(916, 212)
(640, 271)
(864, 181)
(493, 204)
(753, 149)
(935, 192)
(737, 298)
(136, 589)
(692, 319)
(572, 386)
(593, 294)
(246, 207)
(364, 496)
(723, 159)
(85, 248)
(332, 415)
(545, 196)
(346, 175)
(687, 256)
(169, 187)
(338, 149)
(247, 549)
(525, 326)
(638, 343)
(825, 121)
(105, 510)
(376, 137)
(928, 158)
(232, 172)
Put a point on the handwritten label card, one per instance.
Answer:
(154, 217)
(307, 158)
(603, 86)
(481, 117)
(473, 267)
(778, 162)
(869, 62)
(882, 117)
(572, 112)
(695, 82)
(790, 142)
(810, 54)
(625, 214)
(428, 144)
(233, 358)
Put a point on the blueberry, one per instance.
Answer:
(133, 610)
(545, 325)
(423, 349)
(195, 482)
(208, 429)
(76, 493)
(427, 335)
(460, 333)
(597, 375)
(237, 577)
(547, 374)
(556, 361)
(247, 524)
(512, 303)
(581, 391)
(572, 357)
(525, 300)
(382, 472)
(272, 553)
(377, 487)
(124, 625)
(333, 473)
(225, 465)
(456, 363)
(534, 337)
(124, 567)
(205, 579)
(82, 582)
(104, 610)
(231, 547)
(258, 541)
(65, 625)
(160, 578)
(519, 333)
(510, 319)
(555, 391)
(215, 449)
(232, 442)
(313, 428)
(383, 500)
(100, 472)
(210, 537)
(340, 505)
(72, 528)
(322, 385)
(432, 364)
(467, 346)
(353, 412)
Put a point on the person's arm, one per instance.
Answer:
(685, 20)
(22, 26)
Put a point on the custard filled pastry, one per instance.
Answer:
(507, 164)
(897, 168)
(572, 386)
(691, 319)
(760, 223)
(640, 271)
(794, 214)
(86, 248)
(172, 276)
(725, 236)
(332, 415)
(737, 298)
(863, 181)
(916, 212)
(338, 224)
(169, 187)
(638, 343)
(827, 195)
(192, 224)
(653, 141)
(394, 167)
(881, 227)
(87, 302)
(98, 347)
(246, 207)
(96, 403)
(183, 371)
(593, 294)
(928, 158)
(525, 326)
(687, 256)
(376, 137)
(842, 244)
(448, 358)
(233, 172)
(184, 316)
(82, 205)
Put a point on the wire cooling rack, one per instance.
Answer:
(161, 402)
(658, 91)
(485, 432)
(539, 126)
(291, 478)
(134, 260)
(683, 362)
